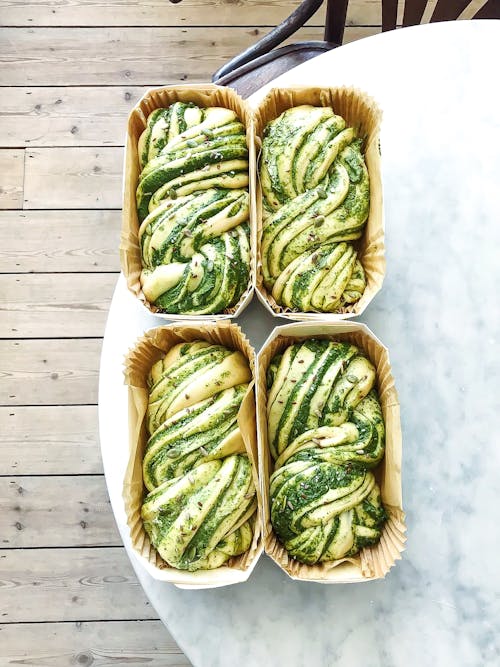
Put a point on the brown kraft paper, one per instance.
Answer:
(361, 112)
(204, 95)
(372, 562)
(148, 349)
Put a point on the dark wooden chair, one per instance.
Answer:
(262, 62)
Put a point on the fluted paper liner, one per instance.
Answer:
(372, 562)
(204, 95)
(361, 112)
(148, 349)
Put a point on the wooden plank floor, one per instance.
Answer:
(70, 73)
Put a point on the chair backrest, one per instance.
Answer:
(444, 10)
(413, 13)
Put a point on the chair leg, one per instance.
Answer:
(336, 12)
(491, 10)
(389, 14)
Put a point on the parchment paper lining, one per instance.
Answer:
(149, 349)
(361, 112)
(373, 562)
(204, 95)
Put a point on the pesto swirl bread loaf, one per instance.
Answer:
(186, 149)
(324, 512)
(326, 431)
(322, 280)
(200, 520)
(193, 206)
(201, 503)
(316, 197)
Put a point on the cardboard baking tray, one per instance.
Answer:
(204, 95)
(372, 562)
(147, 350)
(361, 112)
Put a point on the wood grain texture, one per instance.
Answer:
(56, 512)
(70, 585)
(49, 440)
(125, 56)
(61, 116)
(49, 372)
(54, 241)
(156, 12)
(11, 178)
(72, 89)
(96, 643)
(49, 306)
(73, 178)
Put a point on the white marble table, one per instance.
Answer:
(438, 314)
